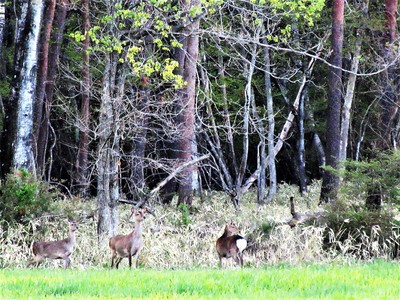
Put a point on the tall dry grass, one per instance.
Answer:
(175, 240)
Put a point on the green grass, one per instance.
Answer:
(378, 280)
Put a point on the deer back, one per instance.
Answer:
(57, 249)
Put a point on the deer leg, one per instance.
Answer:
(235, 256)
(135, 257)
(35, 261)
(220, 261)
(130, 260)
(67, 261)
(240, 255)
(113, 255)
(118, 260)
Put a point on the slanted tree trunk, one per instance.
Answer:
(289, 120)
(330, 180)
(187, 102)
(83, 148)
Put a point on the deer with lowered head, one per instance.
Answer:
(61, 249)
(231, 244)
(128, 245)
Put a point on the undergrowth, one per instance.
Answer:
(185, 238)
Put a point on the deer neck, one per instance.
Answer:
(71, 237)
(138, 228)
(227, 233)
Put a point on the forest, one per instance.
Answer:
(125, 101)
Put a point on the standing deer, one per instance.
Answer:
(61, 249)
(231, 244)
(128, 245)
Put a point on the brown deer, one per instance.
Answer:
(61, 249)
(128, 245)
(231, 244)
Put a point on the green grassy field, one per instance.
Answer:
(378, 280)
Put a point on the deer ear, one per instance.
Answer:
(133, 209)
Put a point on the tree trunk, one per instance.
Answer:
(9, 132)
(389, 99)
(22, 154)
(351, 83)
(271, 126)
(39, 106)
(330, 181)
(2, 26)
(301, 146)
(140, 140)
(187, 100)
(2, 69)
(53, 59)
(83, 148)
(108, 160)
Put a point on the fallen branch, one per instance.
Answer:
(154, 191)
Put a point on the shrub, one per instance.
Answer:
(361, 232)
(22, 197)
(378, 179)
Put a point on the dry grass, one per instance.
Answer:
(170, 244)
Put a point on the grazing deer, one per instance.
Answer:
(128, 245)
(231, 244)
(61, 249)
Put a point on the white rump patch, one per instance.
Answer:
(241, 244)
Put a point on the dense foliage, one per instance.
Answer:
(22, 197)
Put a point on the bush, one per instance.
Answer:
(22, 197)
(377, 179)
(361, 232)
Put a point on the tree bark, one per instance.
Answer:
(83, 148)
(301, 145)
(389, 99)
(330, 181)
(140, 140)
(108, 163)
(54, 56)
(39, 109)
(271, 126)
(2, 26)
(187, 99)
(22, 153)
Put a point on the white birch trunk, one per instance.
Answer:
(23, 156)
(351, 83)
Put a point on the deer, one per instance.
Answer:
(131, 244)
(231, 244)
(61, 249)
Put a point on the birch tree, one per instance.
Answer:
(18, 128)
